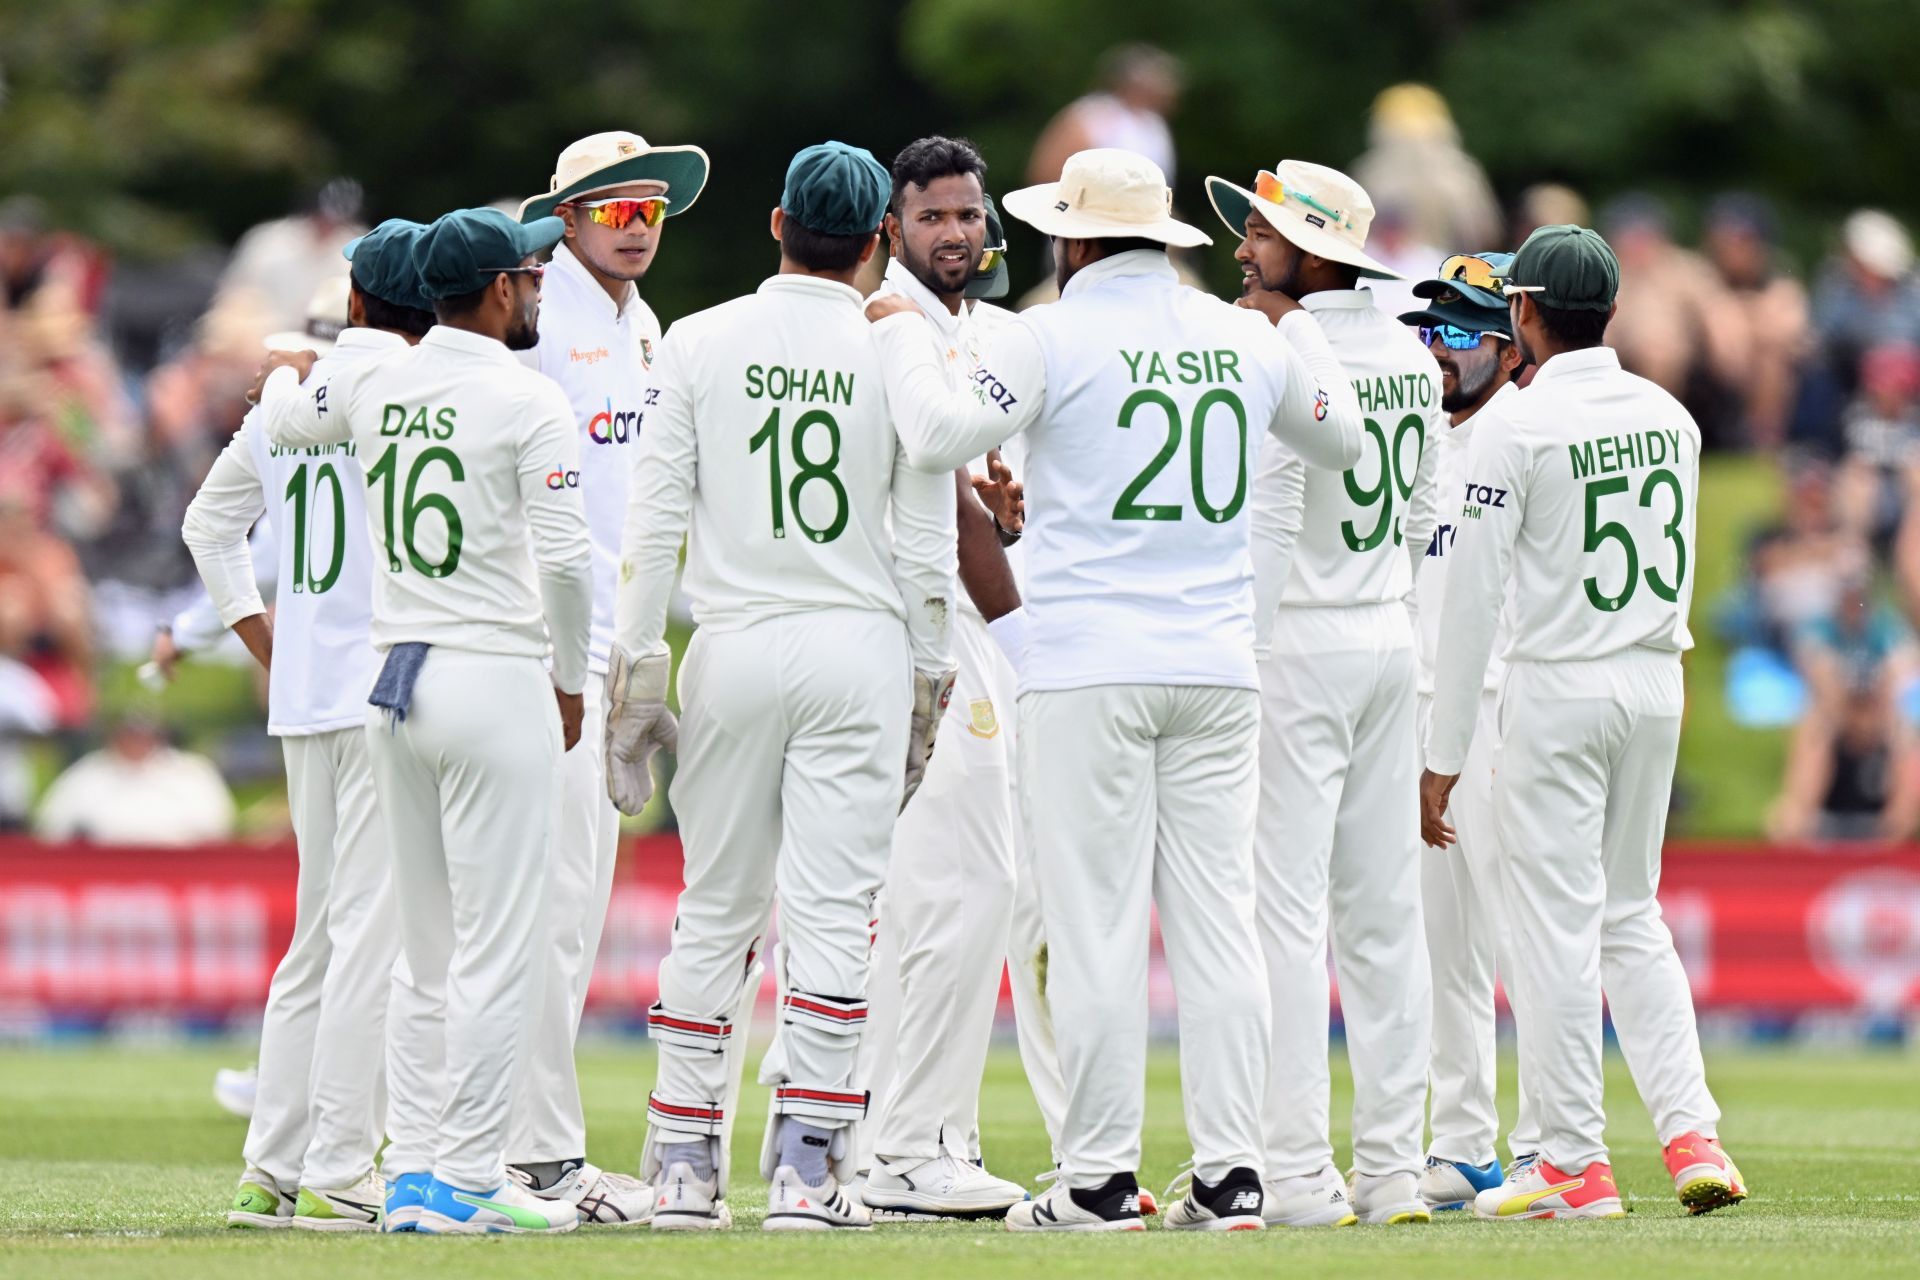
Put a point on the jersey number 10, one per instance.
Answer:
(304, 578)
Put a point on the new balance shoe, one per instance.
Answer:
(260, 1202)
(1539, 1190)
(1387, 1199)
(507, 1208)
(354, 1208)
(943, 1187)
(1309, 1200)
(682, 1202)
(1148, 1205)
(1452, 1184)
(792, 1205)
(1231, 1204)
(406, 1196)
(1114, 1205)
(235, 1090)
(602, 1198)
(1703, 1177)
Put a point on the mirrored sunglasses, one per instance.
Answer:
(1454, 337)
(1270, 188)
(618, 213)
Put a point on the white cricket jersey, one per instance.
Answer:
(323, 660)
(1362, 528)
(766, 442)
(479, 542)
(599, 354)
(1449, 449)
(1581, 492)
(1144, 404)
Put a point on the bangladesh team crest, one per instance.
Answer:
(646, 352)
(981, 722)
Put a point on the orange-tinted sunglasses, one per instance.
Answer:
(618, 213)
(1270, 188)
(1471, 270)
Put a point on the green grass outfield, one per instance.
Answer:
(115, 1162)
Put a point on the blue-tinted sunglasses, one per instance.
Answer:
(1455, 338)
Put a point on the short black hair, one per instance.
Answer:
(461, 304)
(1110, 245)
(381, 314)
(1573, 329)
(820, 252)
(921, 162)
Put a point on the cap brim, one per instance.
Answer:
(990, 286)
(1233, 203)
(1459, 319)
(1038, 207)
(1482, 297)
(541, 234)
(682, 169)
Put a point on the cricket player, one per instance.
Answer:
(487, 572)
(1580, 493)
(1144, 404)
(597, 338)
(941, 940)
(318, 1113)
(1339, 825)
(1470, 335)
(811, 692)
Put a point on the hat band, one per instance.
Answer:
(1268, 187)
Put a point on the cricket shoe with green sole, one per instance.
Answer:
(507, 1208)
(354, 1208)
(259, 1202)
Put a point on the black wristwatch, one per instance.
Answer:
(1006, 539)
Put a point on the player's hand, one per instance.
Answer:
(300, 362)
(573, 711)
(165, 655)
(1002, 494)
(638, 724)
(1268, 303)
(882, 305)
(1435, 790)
(932, 691)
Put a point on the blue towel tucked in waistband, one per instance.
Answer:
(394, 689)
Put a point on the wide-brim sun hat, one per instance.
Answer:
(1105, 193)
(326, 317)
(603, 161)
(1320, 211)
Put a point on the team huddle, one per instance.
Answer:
(1301, 623)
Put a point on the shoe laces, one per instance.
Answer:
(1182, 1183)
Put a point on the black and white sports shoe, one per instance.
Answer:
(793, 1205)
(1231, 1204)
(1114, 1205)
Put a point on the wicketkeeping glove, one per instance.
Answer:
(932, 690)
(638, 724)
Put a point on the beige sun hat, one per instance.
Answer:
(1320, 211)
(618, 158)
(326, 317)
(1105, 192)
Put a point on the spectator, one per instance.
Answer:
(1546, 204)
(1867, 294)
(27, 711)
(45, 619)
(137, 790)
(1139, 89)
(1415, 167)
(1880, 430)
(1800, 565)
(1741, 244)
(281, 263)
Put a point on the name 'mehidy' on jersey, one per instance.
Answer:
(323, 658)
(766, 442)
(1143, 405)
(1580, 491)
(474, 545)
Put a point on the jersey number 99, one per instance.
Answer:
(1395, 480)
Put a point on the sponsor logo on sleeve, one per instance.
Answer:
(993, 391)
(561, 479)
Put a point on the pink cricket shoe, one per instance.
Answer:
(1703, 1176)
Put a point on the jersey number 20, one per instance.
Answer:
(1129, 507)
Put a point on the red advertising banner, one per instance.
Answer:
(91, 933)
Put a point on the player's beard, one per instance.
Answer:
(928, 274)
(524, 333)
(1471, 380)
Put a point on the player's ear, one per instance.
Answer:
(891, 226)
(774, 223)
(566, 212)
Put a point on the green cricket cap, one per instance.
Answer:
(383, 264)
(462, 251)
(836, 190)
(991, 280)
(1461, 313)
(1568, 267)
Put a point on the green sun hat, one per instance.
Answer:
(836, 190)
(616, 159)
(383, 263)
(1566, 267)
(464, 250)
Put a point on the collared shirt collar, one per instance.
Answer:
(904, 281)
(568, 267)
(819, 285)
(1338, 300)
(1572, 362)
(468, 343)
(1134, 262)
(367, 340)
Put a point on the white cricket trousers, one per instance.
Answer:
(469, 788)
(1134, 795)
(548, 1120)
(1339, 834)
(793, 741)
(317, 1118)
(1466, 945)
(1581, 786)
(941, 939)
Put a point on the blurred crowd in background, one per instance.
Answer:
(119, 383)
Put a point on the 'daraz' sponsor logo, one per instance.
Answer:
(558, 479)
(611, 427)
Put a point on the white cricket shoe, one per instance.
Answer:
(1232, 1204)
(603, 1198)
(792, 1205)
(354, 1208)
(1116, 1208)
(943, 1187)
(507, 1208)
(1309, 1200)
(1452, 1184)
(1387, 1199)
(259, 1201)
(236, 1090)
(682, 1202)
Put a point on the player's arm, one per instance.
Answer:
(985, 573)
(1317, 414)
(659, 505)
(562, 552)
(941, 428)
(1279, 507)
(295, 414)
(215, 530)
